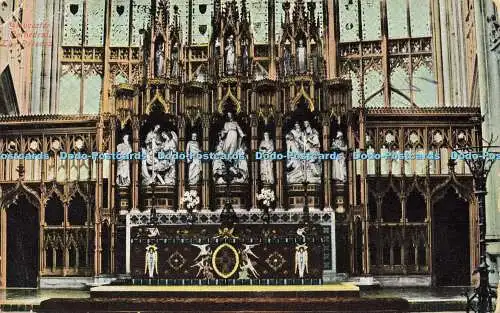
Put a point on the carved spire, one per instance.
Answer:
(286, 9)
(299, 12)
(244, 12)
(311, 6)
(162, 15)
(216, 18)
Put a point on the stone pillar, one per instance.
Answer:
(98, 190)
(181, 164)
(280, 164)
(327, 187)
(488, 57)
(254, 144)
(205, 170)
(136, 177)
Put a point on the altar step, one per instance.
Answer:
(261, 303)
(343, 297)
(250, 291)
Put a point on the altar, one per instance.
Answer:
(177, 248)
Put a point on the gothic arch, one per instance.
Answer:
(462, 191)
(229, 97)
(302, 94)
(158, 103)
(12, 195)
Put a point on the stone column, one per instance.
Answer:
(205, 170)
(99, 188)
(280, 164)
(181, 164)
(488, 65)
(136, 177)
(254, 123)
(327, 187)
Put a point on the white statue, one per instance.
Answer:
(154, 169)
(339, 169)
(159, 59)
(151, 261)
(301, 260)
(123, 165)
(240, 167)
(312, 146)
(287, 59)
(232, 146)
(303, 165)
(260, 72)
(174, 69)
(295, 147)
(232, 135)
(200, 75)
(218, 165)
(301, 57)
(230, 55)
(266, 165)
(192, 150)
(167, 165)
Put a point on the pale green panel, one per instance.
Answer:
(120, 79)
(397, 19)
(398, 101)
(260, 20)
(73, 21)
(73, 170)
(425, 87)
(279, 18)
(349, 16)
(356, 89)
(420, 18)
(183, 6)
(94, 30)
(373, 83)
(318, 13)
(92, 94)
(400, 81)
(141, 18)
(120, 17)
(201, 26)
(69, 94)
(370, 18)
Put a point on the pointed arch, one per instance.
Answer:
(229, 97)
(158, 103)
(78, 209)
(303, 94)
(12, 195)
(462, 191)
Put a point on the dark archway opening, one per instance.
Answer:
(22, 244)
(451, 247)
